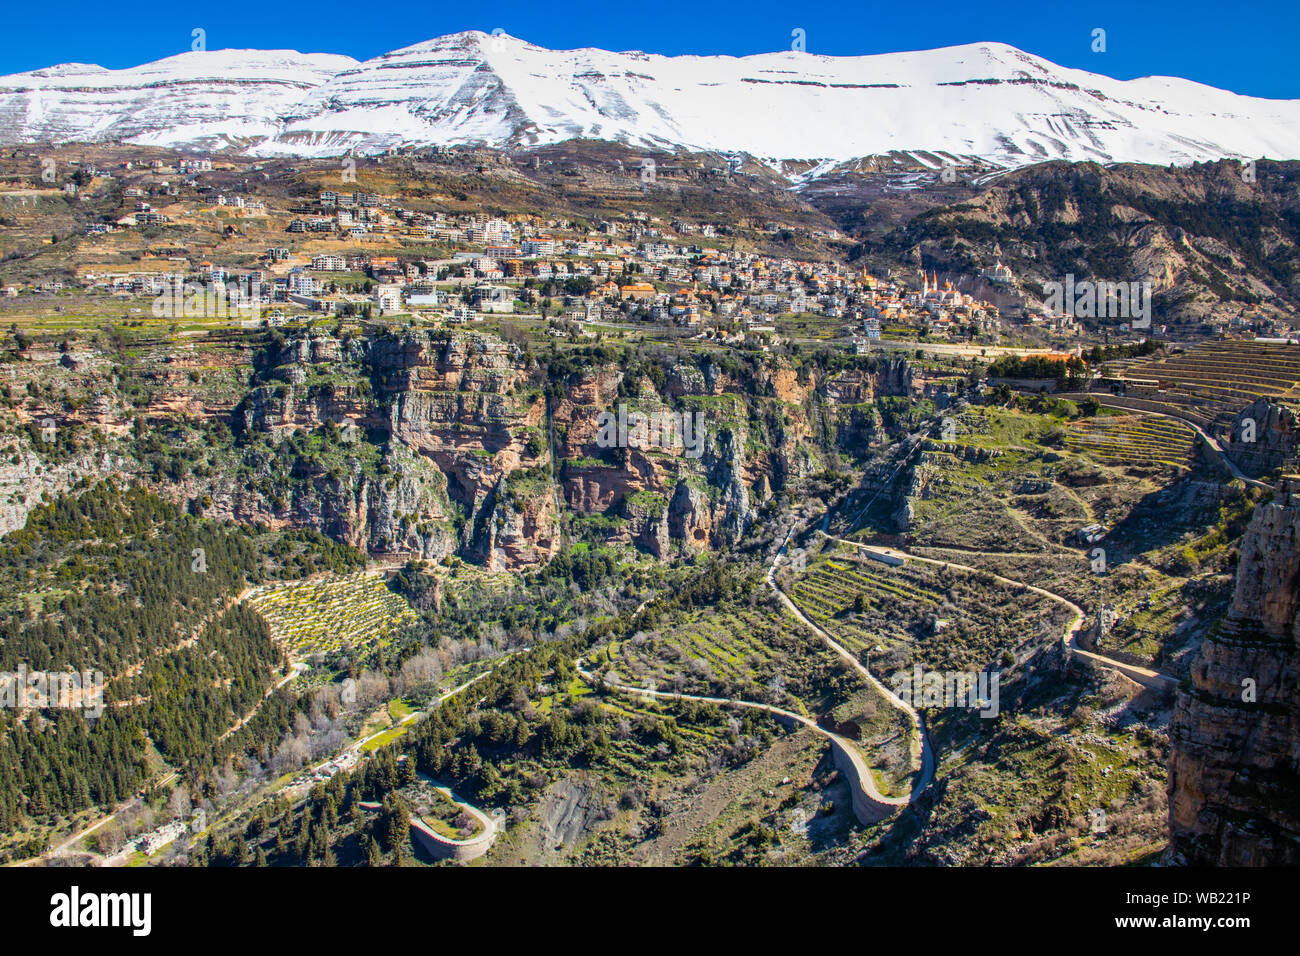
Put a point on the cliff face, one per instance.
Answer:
(674, 502)
(1165, 224)
(1234, 781)
(424, 443)
(1264, 435)
(440, 421)
(28, 480)
(463, 433)
(928, 474)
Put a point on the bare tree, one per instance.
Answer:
(179, 804)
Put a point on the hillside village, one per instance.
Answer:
(347, 251)
(344, 252)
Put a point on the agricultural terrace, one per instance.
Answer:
(1009, 481)
(738, 652)
(1217, 379)
(750, 653)
(942, 619)
(647, 737)
(329, 615)
(1133, 439)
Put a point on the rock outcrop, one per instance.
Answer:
(427, 443)
(1234, 781)
(1265, 435)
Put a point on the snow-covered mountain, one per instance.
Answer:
(985, 100)
(198, 99)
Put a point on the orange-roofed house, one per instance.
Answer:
(638, 290)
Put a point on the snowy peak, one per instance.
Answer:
(986, 100)
(196, 98)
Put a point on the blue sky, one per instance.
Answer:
(1248, 46)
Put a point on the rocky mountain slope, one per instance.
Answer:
(986, 101)
(432, 444)
(1235, 770)
(1214, 238)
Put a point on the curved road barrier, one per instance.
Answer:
(445, 847)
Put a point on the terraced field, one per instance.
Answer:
(727, 644)
(750, 653)
(1133, 439)
(1217, 379)
(831, 589)
(328, 615)
(734, 652)
(918, 614)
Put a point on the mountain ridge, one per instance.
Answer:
(985, 101)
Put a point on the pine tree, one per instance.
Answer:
(374, 857)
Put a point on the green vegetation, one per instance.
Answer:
(942, 619)
(143, 594)
(1130, 439)
(333, 614)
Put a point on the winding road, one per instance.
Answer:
(869, 804)
(921, 740)
(470, 848)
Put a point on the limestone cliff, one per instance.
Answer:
(1234, 781)
(1265, 434)
(426, 442)
(431, 425)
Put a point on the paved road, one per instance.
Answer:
(490, 825)
(922, 752)
(66, 845)
(482, 839)
(844, 745)
(413, 715)
(963, 349)
(921, 739)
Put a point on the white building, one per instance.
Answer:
(388, 298)
(490, 298)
